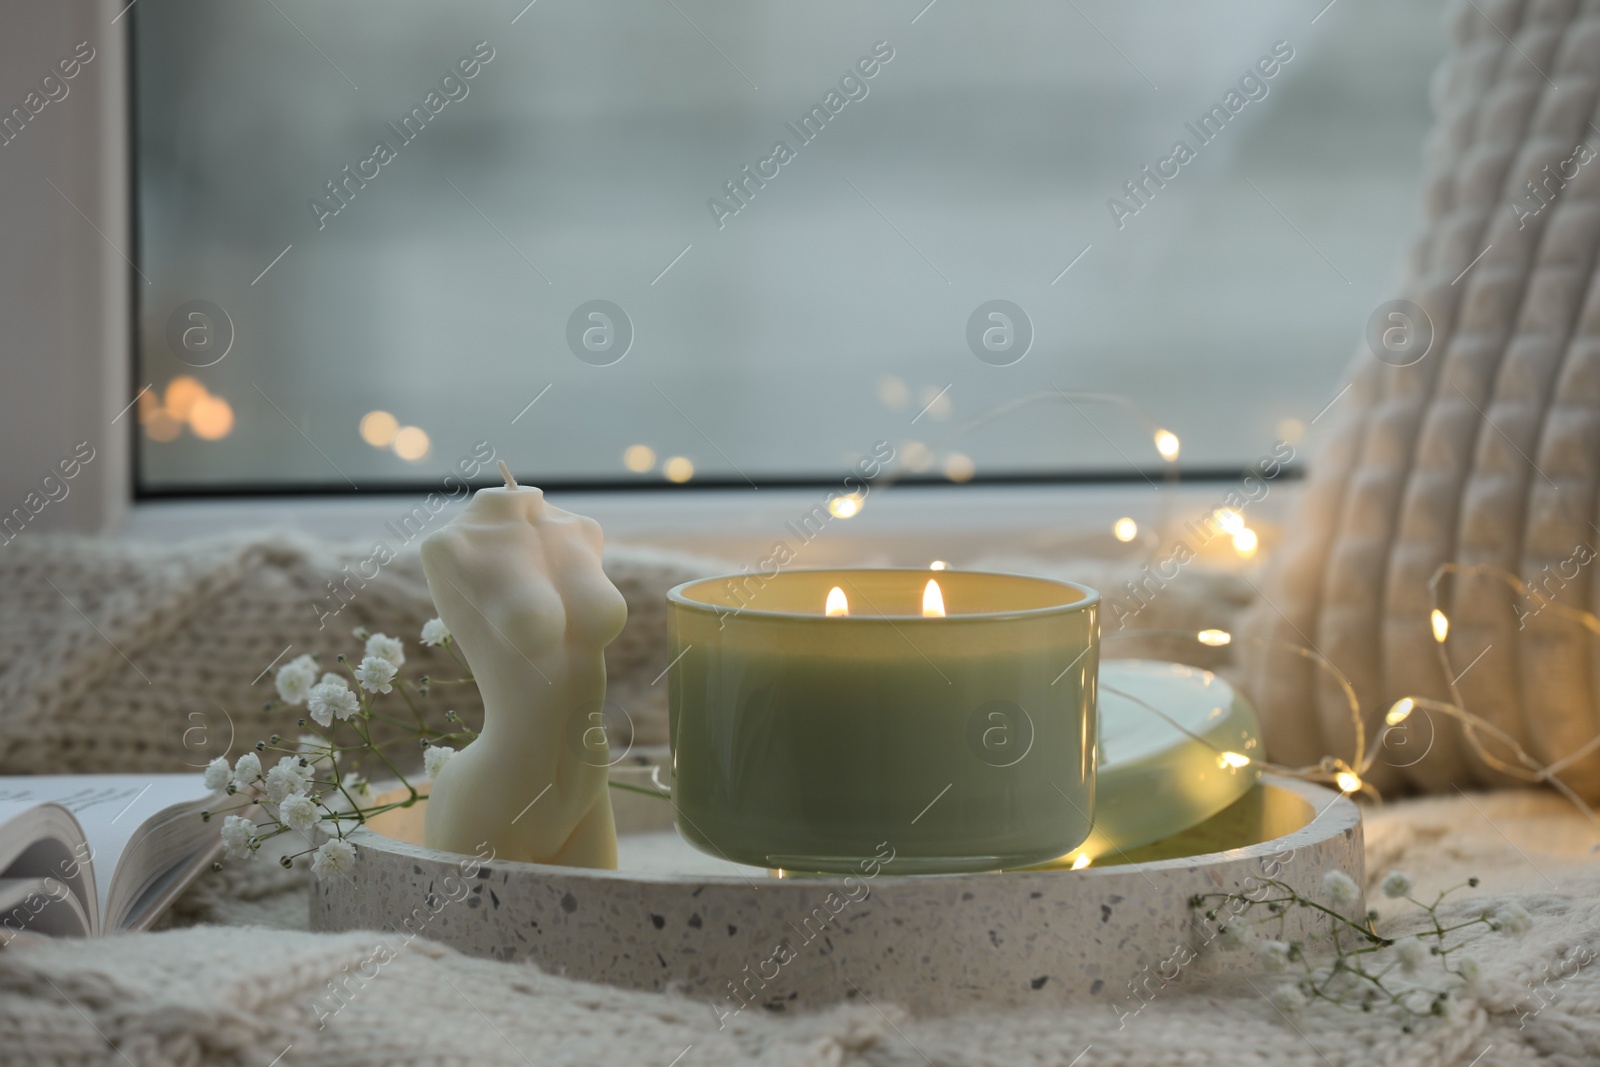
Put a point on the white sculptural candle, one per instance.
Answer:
(518, 582)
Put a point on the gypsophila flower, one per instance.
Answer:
(1287, 999)
(1513, 919)
(1332, 962)
(388, 648)
(333, 857)
(1274, 956)
(435, 632)
(289, 777)
(375, 674)
(1411, 953)
(1396, 884)
(298, 812)
(237, 836)
(246, 770)
(217, 774)
(295, 679)
(1341, 889)
(434, 758)
(328, 702)
(1234, 935)
(334, 679)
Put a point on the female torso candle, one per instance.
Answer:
(821, 716)
(518, 582)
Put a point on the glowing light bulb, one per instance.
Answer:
(1082, 861)
(1233, 759)
(1167, 444)
(1245, 542)
(1124, 529)
(1214, 638)
(938, 565)
(1441, 625)
(845, 507)
(1230, 521)
(1349, 781)
(1399, 711)
(837, 604)
(932, 600)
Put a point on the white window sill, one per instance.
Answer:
(906, 525)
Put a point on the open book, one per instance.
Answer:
(84, 855)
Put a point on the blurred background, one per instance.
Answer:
(374, 347)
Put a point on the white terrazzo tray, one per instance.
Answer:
(674, 918)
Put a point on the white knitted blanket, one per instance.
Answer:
(254, 995)
(123, 656)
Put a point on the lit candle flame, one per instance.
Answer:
(932, 601)
(837, 604)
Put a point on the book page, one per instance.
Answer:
(112, 809)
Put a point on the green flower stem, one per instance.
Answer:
(628, 788)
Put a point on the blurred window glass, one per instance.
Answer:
(374, 234)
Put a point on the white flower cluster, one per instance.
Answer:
(311, 786)
(1512, 918)
(375, 674)
(332, 699)
(1353, 979)
(335, 856)
(434, 757)
(288, 787)
(1397, 884)
(1341, 889)
(435, 633)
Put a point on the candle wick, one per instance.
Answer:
(505, 472)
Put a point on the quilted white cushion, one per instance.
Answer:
(1486, 451)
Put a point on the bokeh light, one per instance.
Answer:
(958, 467)
(639, 458)
(378, 428)
(411, 443)
(211, 418)
(678, 469)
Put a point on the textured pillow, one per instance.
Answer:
(1486, 451)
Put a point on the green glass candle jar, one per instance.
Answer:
(823, 718)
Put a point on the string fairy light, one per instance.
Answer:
(1346, 775)
(1349, 776)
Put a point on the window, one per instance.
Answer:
(374, 234)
